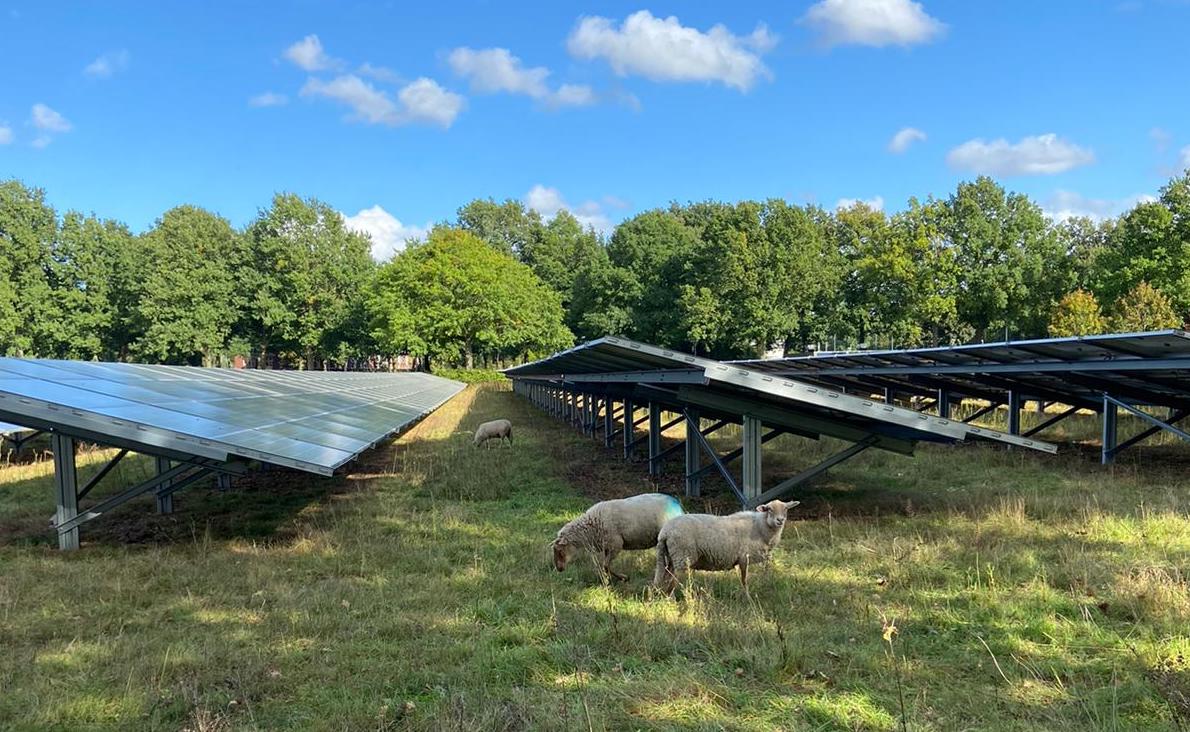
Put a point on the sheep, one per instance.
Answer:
(609, 527)
(718, 543)
(497, 429)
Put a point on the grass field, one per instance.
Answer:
(969, 588)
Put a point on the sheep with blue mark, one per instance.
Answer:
(609, 527)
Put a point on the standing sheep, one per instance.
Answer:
(718, 543)
(609, 527)
(497, 429)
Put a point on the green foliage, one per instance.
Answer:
(188, 298)
(27, 232)
(1076, 314)
(470, 376)
(1144, 308)
(510, 227)
(454, 298)
(307, 274)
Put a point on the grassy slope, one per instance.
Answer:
(1027, 592)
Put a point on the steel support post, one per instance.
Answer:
(223, 481)
(944, 404)
(66, 482)
(889, 395)
(812, 472)
(165, 498)
(609, 425)
(751, 458)
(654, 438)
(1110, 413)
(693, 477)
(1014, 412)
(629, 432)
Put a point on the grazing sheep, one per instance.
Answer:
(609, 527)
(718, 543)
(497, 429)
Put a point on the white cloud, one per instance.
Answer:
(108, 64)
(422, 101)
(47, 120)
(1184, 157)
(308, 54)
(268, 99)
(1064, 205)
(1038, 155)
(549, 201)
(494, 70)
(905, 137)
(1160, 138)
(662, 49)
(876, 203)
(379, 73)
(5, 135)
(48, 123)
(872, 23)
(425, 101)
(389, 235)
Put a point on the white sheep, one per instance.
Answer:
(609, 527)
(718, 543)
(498, 429)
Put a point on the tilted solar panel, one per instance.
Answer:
(311, 420)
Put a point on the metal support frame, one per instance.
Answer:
(1051, 421)
(19, 439)
(943, 403)
(1014, 412)
(751, 453)
(654, 438)
(812, 472)
(165, 497)
(66, 483)
(608, 422)
(1110, 414)
(94, 481)
(693, 477)
(628, 429)
(701, 441)
(1111, 405)
(984, 410)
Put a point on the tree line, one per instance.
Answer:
(297, 288)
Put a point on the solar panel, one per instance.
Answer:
(1150, 369)
(831, 412)
(310, 420)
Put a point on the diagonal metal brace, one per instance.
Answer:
(102, 472)
(108, 504)
(710, 451)
(1051, 421)
(813, 471)
(1148, 418)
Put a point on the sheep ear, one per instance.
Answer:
(791, 504)
(763, 508)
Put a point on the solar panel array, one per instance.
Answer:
(679, 379)
(311, 420)
(1140, 368)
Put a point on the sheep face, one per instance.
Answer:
(775, 512)
(564, 551)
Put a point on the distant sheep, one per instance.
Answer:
(609, 527)
(718, 543)
(499, 429)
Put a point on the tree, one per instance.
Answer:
(307, 270)
(1076, 314)
(1144, 308)
(455, 298)
(604, 299)
(28, 227)
(188, 297)
(510, 227)
(656, 247)
(563, 249)
(1010, 262)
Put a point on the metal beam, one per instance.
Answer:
(1021, 367)
(66, 484)
(1174, 419)
(727, 476)
(1014, 412)
(1108, 444)
(165, 498)
(94, 481)
(1051, 421)
(659, 376)
(1147, 417)
(812, 472)
(108, 504)
(752, 474)
(693, 427)
(654, 437)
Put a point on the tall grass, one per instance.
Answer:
(1027, 592)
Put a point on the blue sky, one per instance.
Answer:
(398, 113)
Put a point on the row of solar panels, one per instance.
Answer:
(311, 420)
(679, 380)
(1140, 368)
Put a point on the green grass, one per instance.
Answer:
(1027, 592)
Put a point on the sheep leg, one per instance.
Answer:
(744, 575)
